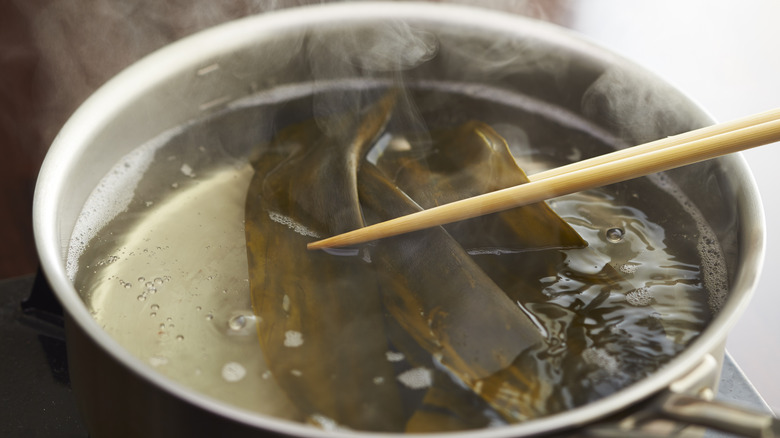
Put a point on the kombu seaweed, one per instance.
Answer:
(438, 297)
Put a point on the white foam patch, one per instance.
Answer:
(157, 361)
(233, 371)
(293, 339)
(393, 356)
(602, 359)
(187, 170)
(417, 378)
(293, 225)
(112, 196)
(325, 423)
(639, 297)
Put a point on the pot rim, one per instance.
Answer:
(106, 102)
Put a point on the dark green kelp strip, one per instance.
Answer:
(321, 317)
(447, 303)
(469, 160)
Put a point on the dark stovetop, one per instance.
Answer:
(35, 394)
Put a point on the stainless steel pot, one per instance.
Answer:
(560, 73)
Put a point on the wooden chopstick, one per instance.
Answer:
(634, 162)
(698, 134)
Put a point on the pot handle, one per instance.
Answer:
(683, 411)
(669, 412)
(718, 415)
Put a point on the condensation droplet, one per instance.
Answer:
(209, 317)
(141, 297)
(141, 279)
(180, 338)
(155, 307)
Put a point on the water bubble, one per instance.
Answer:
(141, 279)
(155, 307)
(180, 338)
(158, 281)
(141, 297)
(233, 372)
(128, 285)
(149, 284)
(153, 314)
(237, 322)
(615, 235)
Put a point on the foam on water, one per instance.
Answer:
(417, 378)
(713, 263)
(293, 339)
(233, 372)
(292, 224)
(112, 196)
